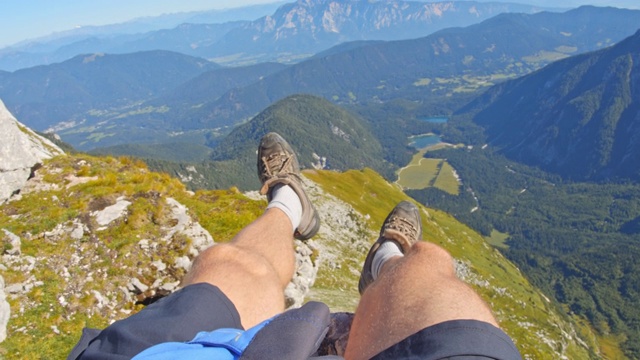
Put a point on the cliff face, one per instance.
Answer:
(21, 150)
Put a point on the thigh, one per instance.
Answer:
(456, 339)
(177, 317)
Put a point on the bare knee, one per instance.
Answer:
(433, 257)
(225, 257)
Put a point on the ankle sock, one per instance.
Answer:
(386, 251)
(284, 198)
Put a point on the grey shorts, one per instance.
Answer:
(203, 307)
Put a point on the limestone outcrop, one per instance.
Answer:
(21, 152)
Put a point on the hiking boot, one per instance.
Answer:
(402, 226)
(278, 164)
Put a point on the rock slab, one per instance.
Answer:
(21, 150)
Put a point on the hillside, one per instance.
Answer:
(326, 136)
(94, 84)
(113, 236)
(578, 241)
(580, 120)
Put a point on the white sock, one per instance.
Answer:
(284, 198)
(386, 251)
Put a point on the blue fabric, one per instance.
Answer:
(178, 317)
(222, 344)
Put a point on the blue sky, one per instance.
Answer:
(26, 19)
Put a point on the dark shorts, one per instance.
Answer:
(178, 317)
(456, 339)
(203, 307)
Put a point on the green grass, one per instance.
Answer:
(446, 179)
(114, 257)
(147, 110)
(422, 173)
(498, 239)
(545, 56)
(111, 256)
(514, 300)
(95, 137)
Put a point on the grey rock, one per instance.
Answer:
(303, 278)
(14, 288)
(112, 213)
(5, 311)
(99, 298)
(200, 237)
(183, 262)
(171, 286)
(78, 230)
(14, 241)
(144, 244)
(21, 151)
(158, 264)
(137, 286)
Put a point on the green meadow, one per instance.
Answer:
(422, 173)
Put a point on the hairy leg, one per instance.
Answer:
(253, 269)
(412, 292)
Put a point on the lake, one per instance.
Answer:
(423, 141)
(435, 119)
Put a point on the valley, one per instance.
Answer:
(574, 240)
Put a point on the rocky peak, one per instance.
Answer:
(21, 152)
(322, 20)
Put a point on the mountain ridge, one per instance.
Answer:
(273, 37)
(452, 62)
(582, 120)
(416, 64)
(47, 95)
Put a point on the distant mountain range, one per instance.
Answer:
(450, 61)
(296, 30)
(64, 45)
(578, 117)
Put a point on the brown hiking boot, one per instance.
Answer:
(278, 164)
(402, 226)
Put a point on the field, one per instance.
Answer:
(422, 173)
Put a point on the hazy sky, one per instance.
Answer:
(27, 19)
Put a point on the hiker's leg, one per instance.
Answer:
(253, 269)
(233, 285)
(412, 292)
